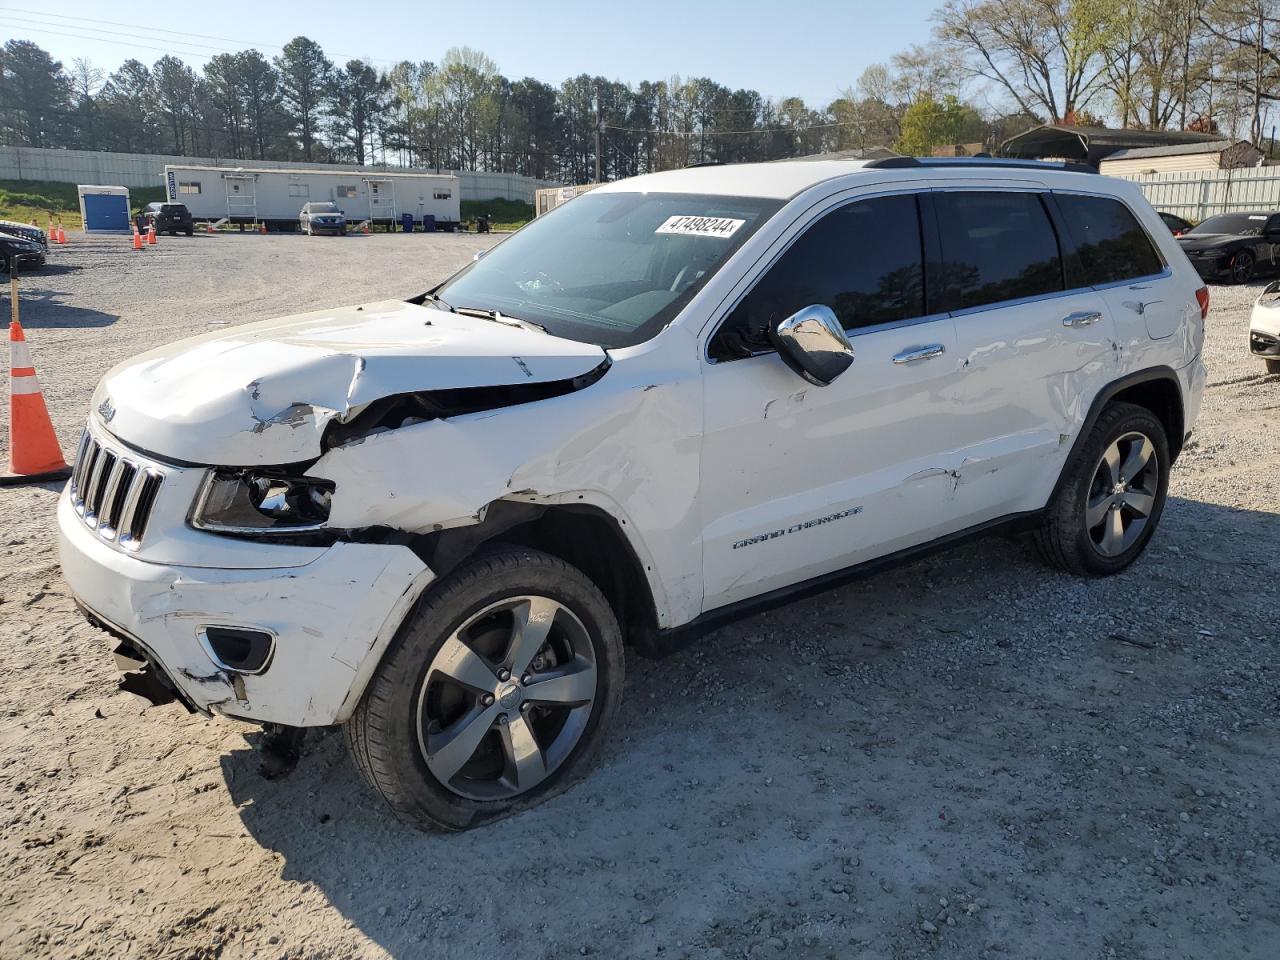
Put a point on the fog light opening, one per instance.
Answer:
(238, 649)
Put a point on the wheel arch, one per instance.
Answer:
(582, 534)
(1156, 389)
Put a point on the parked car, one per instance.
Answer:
(322, 217)
(1177, 226)
(675, 400)
(170, 218)
(1234, 246)
(1264, 327)
(29, 254)
(28, 259)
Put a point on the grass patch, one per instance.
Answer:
(27, 200)
(503, 214)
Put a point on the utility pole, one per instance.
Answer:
(599, 123)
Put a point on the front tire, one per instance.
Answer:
(494, 695)
(1111, 495)
(1242, 267)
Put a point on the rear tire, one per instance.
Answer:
(1111, 495)
(1273, 364)
(444, 737)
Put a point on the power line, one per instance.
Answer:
(176, 33)
(25, 22)
(120, 43)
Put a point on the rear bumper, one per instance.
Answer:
(331, 618)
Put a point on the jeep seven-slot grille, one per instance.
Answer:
(113, 493)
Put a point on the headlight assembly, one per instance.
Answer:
(1270, 297)
(261, 502)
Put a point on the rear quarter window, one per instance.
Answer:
(1110, 243)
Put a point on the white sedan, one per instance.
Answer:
(1264, 327)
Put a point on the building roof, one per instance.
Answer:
(1176, 150)
(1092, 144)
(366, 173)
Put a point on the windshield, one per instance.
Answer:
(324, 208)
(610, 268)
(1239, 224)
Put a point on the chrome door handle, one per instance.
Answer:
(1081, 319)
(912, 354)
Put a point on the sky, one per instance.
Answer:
(808, 48)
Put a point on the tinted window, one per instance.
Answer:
(996, 246)
(1109, 241)
(864, 261)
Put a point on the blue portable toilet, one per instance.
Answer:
(104, 209)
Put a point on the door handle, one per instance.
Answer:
(1081, 318)
(912, 354)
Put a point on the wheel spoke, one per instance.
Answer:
(1113, 534)
(1140, 454)
(448, 750)
(574, 684)
(459, 662)
(533, 618)
(1097, 510)
(1139, 502)
(526, 766)
(1111, 464)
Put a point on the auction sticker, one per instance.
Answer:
(701, 226)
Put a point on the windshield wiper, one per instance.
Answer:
(436, 298)
(498, 317)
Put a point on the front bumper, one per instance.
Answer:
(332, 617)
(1264, 329)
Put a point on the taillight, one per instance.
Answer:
(1202, 297)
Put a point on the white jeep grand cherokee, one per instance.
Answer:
(673, 400)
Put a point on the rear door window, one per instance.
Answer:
(1109, 242)
(996, 246)
(863, 260)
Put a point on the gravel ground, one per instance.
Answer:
(970, 757)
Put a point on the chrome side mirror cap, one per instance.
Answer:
(813, 343)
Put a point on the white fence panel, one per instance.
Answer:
(1196, 194)
(147, 170)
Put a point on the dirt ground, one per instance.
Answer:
(970, 757)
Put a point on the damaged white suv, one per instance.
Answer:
(675, 399)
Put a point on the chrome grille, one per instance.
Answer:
(113, 492)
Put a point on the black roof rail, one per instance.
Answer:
(1007, 163)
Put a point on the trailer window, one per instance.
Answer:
(442, 196)
(299, 190)
(189, 186)
(344, 191)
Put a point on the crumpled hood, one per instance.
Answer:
(262, 393)
(1208, 241)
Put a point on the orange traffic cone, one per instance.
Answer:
(34, 454)
(137, 240)
(210, 226)
(263, 228)
(151, 235)
(365, 229)
(62, 234)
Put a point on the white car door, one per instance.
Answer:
(1034, 344)
(800, 480)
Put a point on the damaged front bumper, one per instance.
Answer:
(331, 618)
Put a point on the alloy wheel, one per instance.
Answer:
(1122, 494)
(506, 698)
(1242, 267)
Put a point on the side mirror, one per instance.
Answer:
(813, 343)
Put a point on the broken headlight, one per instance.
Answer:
(260, 501)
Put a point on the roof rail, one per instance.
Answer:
(891, 163)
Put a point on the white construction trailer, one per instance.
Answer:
(275, 197)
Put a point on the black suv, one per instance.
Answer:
(170, 218)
